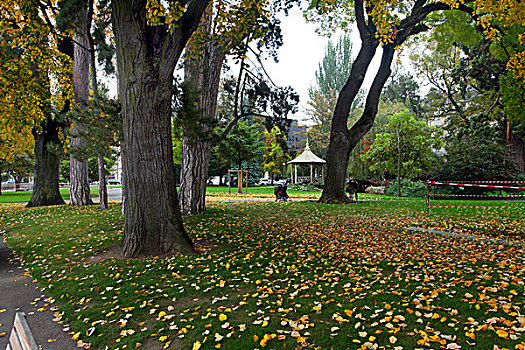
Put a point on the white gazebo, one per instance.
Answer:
(307, 157)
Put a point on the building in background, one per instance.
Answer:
(296, 138)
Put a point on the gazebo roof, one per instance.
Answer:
(307, 157)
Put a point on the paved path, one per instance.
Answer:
(452, 234)
(19, 293)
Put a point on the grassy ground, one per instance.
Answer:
(25, 196)
(286, 275)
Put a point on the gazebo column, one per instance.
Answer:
(295, 180)
(311, 174)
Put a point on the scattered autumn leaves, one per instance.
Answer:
(284, 276)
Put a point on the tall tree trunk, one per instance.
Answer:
(146, 58)
(516, 145)
(194, 173)
(398, 164)
(48, 149)
(79, 178)
(123, 175)
(203, 67)
(102, 188)
(340, 139)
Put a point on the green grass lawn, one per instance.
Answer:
(25, 196)
(285, 275)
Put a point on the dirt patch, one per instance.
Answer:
(113, 252)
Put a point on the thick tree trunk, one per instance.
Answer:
(79, 178)
(146, 58)
(516, 144)
(194, 173)
(342, 140)
(48, 149)
(203, 67)
(102, 188)
(123, 176)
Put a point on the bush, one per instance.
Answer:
(408, 189)
(303, 188)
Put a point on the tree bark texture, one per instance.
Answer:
(517, 149)
(79, 178)
(102, 188)
(146, 58)
(203, 67)
(48, 149)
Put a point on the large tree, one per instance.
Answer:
(147, 52)
(34, 78)
(389, 24)
(80, 15)
(227, 28)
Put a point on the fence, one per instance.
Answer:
(501, 185)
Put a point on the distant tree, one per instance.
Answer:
(390, 24)
(402, 87)
(242, 144)
(356, 167)
(334, 68)
(478, 152)
(330, 77)
(406, 150)
(227, 28)
(319, 110)
(275, 156)
(22, 165)
(475, 158)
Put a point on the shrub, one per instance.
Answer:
(408, 189)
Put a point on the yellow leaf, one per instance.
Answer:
(75, 336)
(223, 317)
(501, 333)
(163, 338)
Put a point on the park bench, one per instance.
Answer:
(21, 337)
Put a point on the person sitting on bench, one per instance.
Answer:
(280, 193)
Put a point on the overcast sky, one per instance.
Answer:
(300, 55)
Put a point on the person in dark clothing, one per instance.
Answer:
(352, 187)
(280, 193)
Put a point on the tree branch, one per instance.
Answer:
(53, 30)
